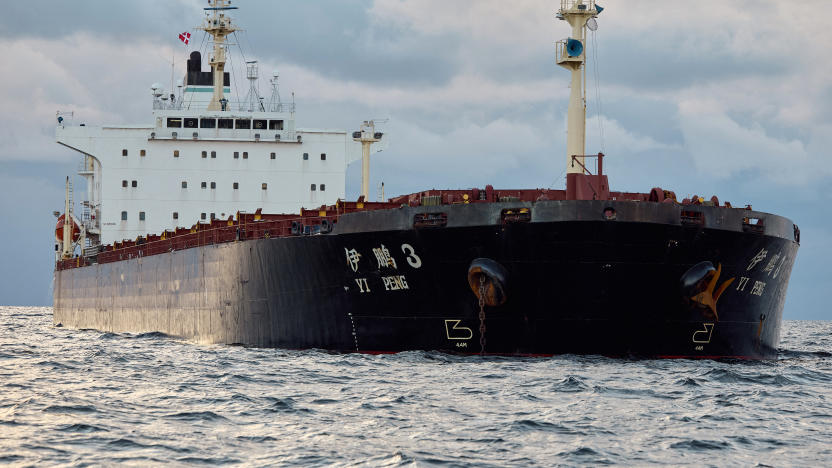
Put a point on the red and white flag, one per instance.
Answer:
(185, 37)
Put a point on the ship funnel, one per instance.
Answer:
(195, 62)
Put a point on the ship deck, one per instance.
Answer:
(323, 220)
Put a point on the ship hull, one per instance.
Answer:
(571, 286)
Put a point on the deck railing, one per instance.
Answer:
(247, 226)
(569, 4)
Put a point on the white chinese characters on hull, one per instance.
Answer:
(761, 255)
(385, 260)
(353, 257)
(770, 270)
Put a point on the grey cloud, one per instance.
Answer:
(643, 63)
(111, 20)
(771, 127)
(640, 115)
(335, 38)
(31, 253)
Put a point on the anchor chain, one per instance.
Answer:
(482, 313)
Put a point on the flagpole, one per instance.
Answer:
(182, 90)
(172, 68)
(185, 39)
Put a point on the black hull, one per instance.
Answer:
(575, 284)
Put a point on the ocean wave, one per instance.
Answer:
(72, 409)
(196, 416)
(69, 397)
(81, 428)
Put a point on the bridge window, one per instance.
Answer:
(124, 216)
(124, 183)
(174, 122)
(225, 123)
(259, 124)
(134, 184)
(191, 123)
(141, 215)
(275, 125)
(175, 153)
(207, 123)
(124, 152)
(243, 124)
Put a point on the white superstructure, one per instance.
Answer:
(202, 156)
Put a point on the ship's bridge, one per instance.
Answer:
(188, 124)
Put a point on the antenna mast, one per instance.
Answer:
(275, 105)
(571, 55)
(254, 101)
(367, 135)
(219, 27)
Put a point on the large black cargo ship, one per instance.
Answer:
(516, 272)
(604, 277)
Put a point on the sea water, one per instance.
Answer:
(90, 398)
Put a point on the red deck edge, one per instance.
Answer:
(246, 226)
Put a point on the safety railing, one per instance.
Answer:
(569, 4)
(230, 105)
(247, 226)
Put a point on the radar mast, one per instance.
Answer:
(219, 26)
(571, 54)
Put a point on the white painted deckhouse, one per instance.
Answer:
(203, 156)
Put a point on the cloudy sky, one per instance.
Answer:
(706, 97)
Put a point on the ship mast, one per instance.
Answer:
(219, 27)
(67, 232)
(571, 55)
(367, 135)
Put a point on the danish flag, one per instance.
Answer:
(185, 37)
